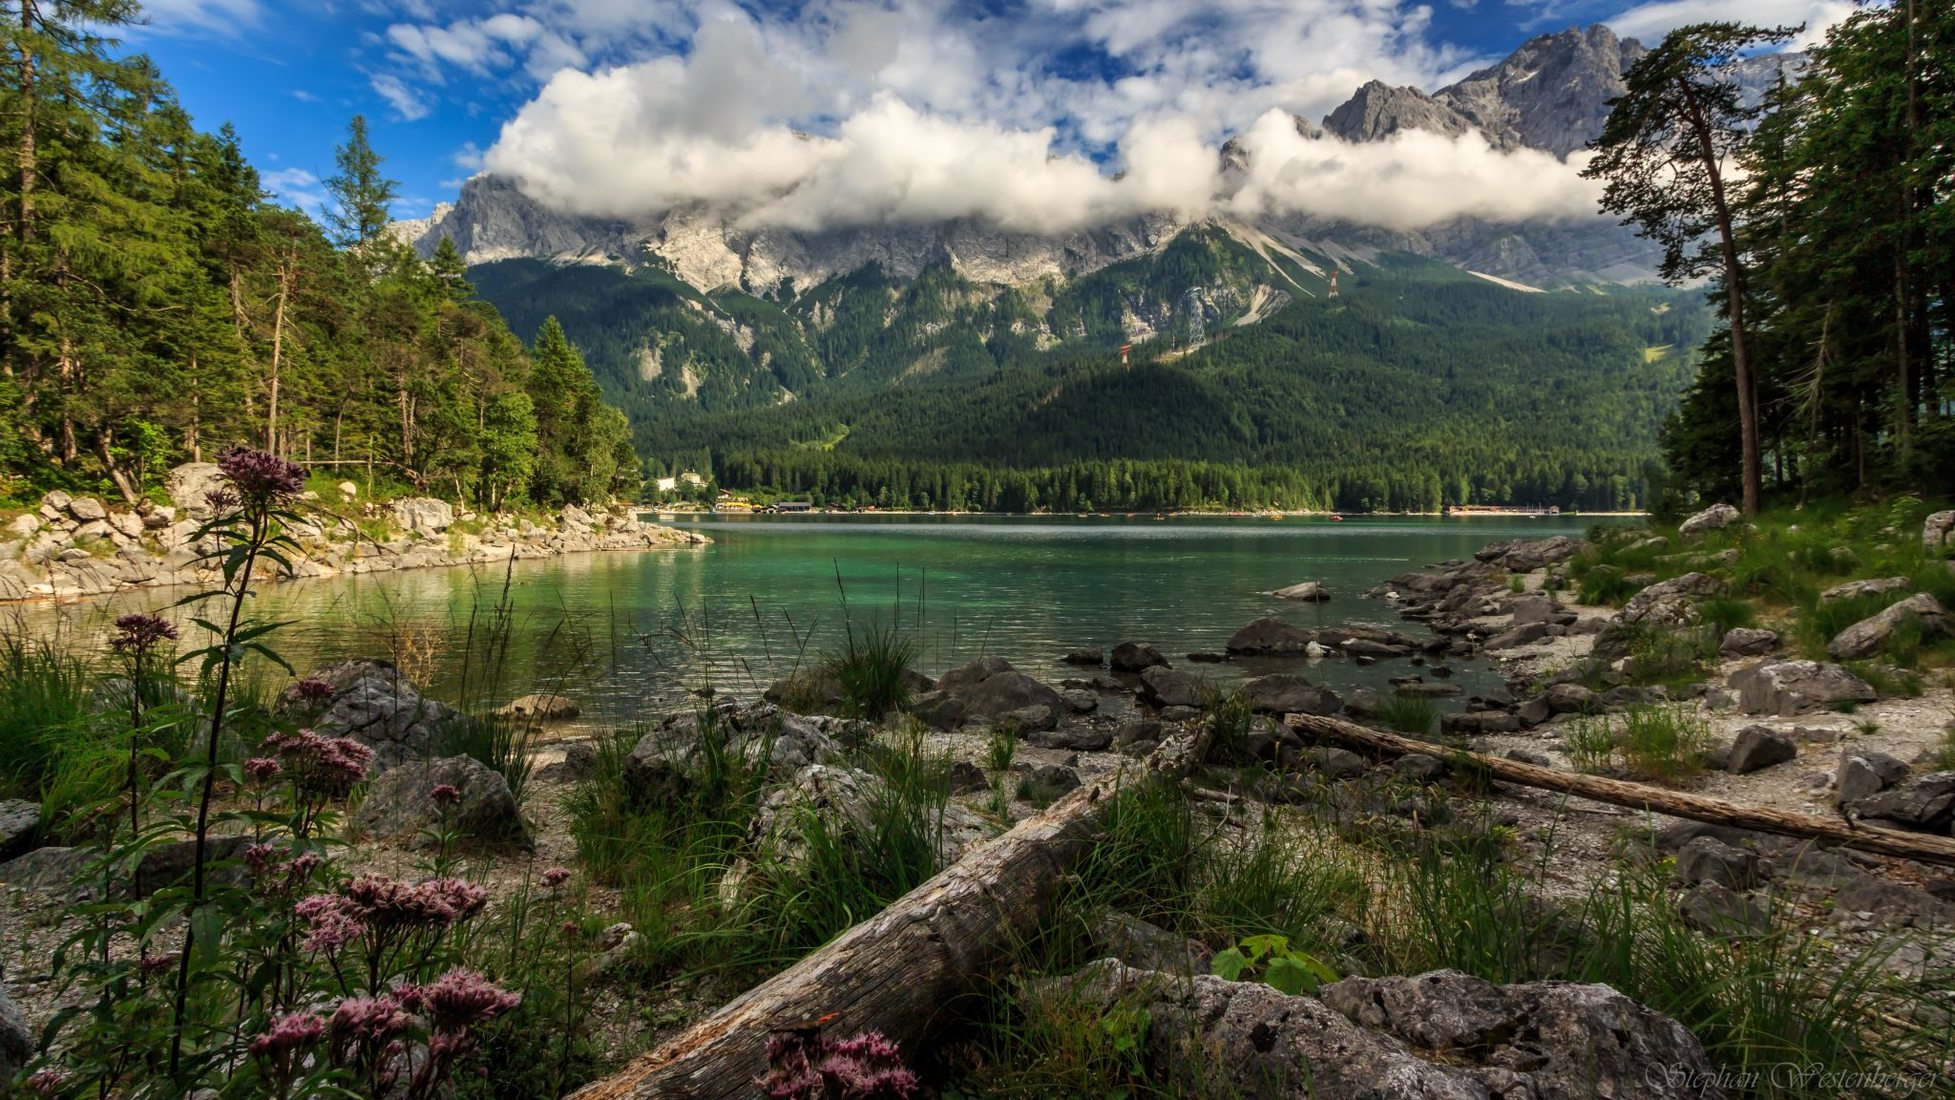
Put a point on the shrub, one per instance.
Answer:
(1408, 714)
(1665, 743)
(873, 670)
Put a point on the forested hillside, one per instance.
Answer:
(1418, 387)
(157, 307)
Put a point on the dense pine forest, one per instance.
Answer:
(1843, 263)
(157, 307)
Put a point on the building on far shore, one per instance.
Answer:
(689, 479)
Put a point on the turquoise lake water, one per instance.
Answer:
(629, 633)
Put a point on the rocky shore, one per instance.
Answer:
(70, 547)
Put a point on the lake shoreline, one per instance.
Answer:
(75, 548)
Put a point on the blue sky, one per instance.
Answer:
(620, 106)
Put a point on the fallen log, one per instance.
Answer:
(1867, 838)
(898, 971)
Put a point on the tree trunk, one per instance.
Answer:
(898, 971)
(1637, 796)
(1752, 473)
(105, 451)
(278, 350)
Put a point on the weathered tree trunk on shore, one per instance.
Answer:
(1616, 792)
(902, 970)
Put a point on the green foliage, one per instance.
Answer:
(1411, 714)
(1272, 960)
(1229, 718)
(873, 669)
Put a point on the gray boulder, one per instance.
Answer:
(540, 708)
(1715, 518)
(1524, 634)
(1760, 747)
(1527, 555)
(1747, 641)
(424, 514)
(1148, 946)
(1938, 533)
(1708, 859)
(1870, 635)
(44, 868)
(1893, 905)
(1864, 773)
(1167, 687)
(1280, 694)
(1334, 762)
(1270, 637)
(1925, 803)
(1307, 592)
(1716, 909)
(1074, 738)
(16, 1042)
(1136, 657)
(386, 713)
(401, 803)
(1480, 722)
(1085, 656)
(1786, 688)
(19, 820)
(87, 510)
(970, 675)
(190, 486)
(1417, 689)
(1572, 699)
(996, 696)
(1877, 586)
(1671, 603)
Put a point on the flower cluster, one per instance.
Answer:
(312, 690)
(263, 769)
(445, 794)
(555, 877)
(387, 907)
(47, 1082)
(257, 477)
(139, 632)
(277, 876)
(294, 1031)
(330, 766)
(803, 1065)
(458, 1000)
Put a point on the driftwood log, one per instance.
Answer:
(1867, 838)
(900, 970)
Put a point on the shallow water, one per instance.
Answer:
(628, 633)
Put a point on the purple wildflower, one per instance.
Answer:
(325, 765)
(332, 921)
(866, 1066)
(313, 690)
(368, 1021)
(445, 794)
(458, 1000)
(263, 769)
(261, 478)
(294, 1031)
(47, 1082)
(556, 876)
(139, 632)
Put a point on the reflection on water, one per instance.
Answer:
(628, 633)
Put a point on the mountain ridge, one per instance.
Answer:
(1549, 95)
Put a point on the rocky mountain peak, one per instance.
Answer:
(1378, 110)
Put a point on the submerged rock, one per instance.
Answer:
(1307, 592)
(1137, 657)
(1272, 637)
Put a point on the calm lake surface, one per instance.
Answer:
(627, 634)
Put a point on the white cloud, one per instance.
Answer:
(1411, 180)
(297, 187)
(189, 16)
(1651, 21)
(407, 102)
(851, 112)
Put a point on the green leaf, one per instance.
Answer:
(1228, 964)
(1288, 974)
(1261, 947)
